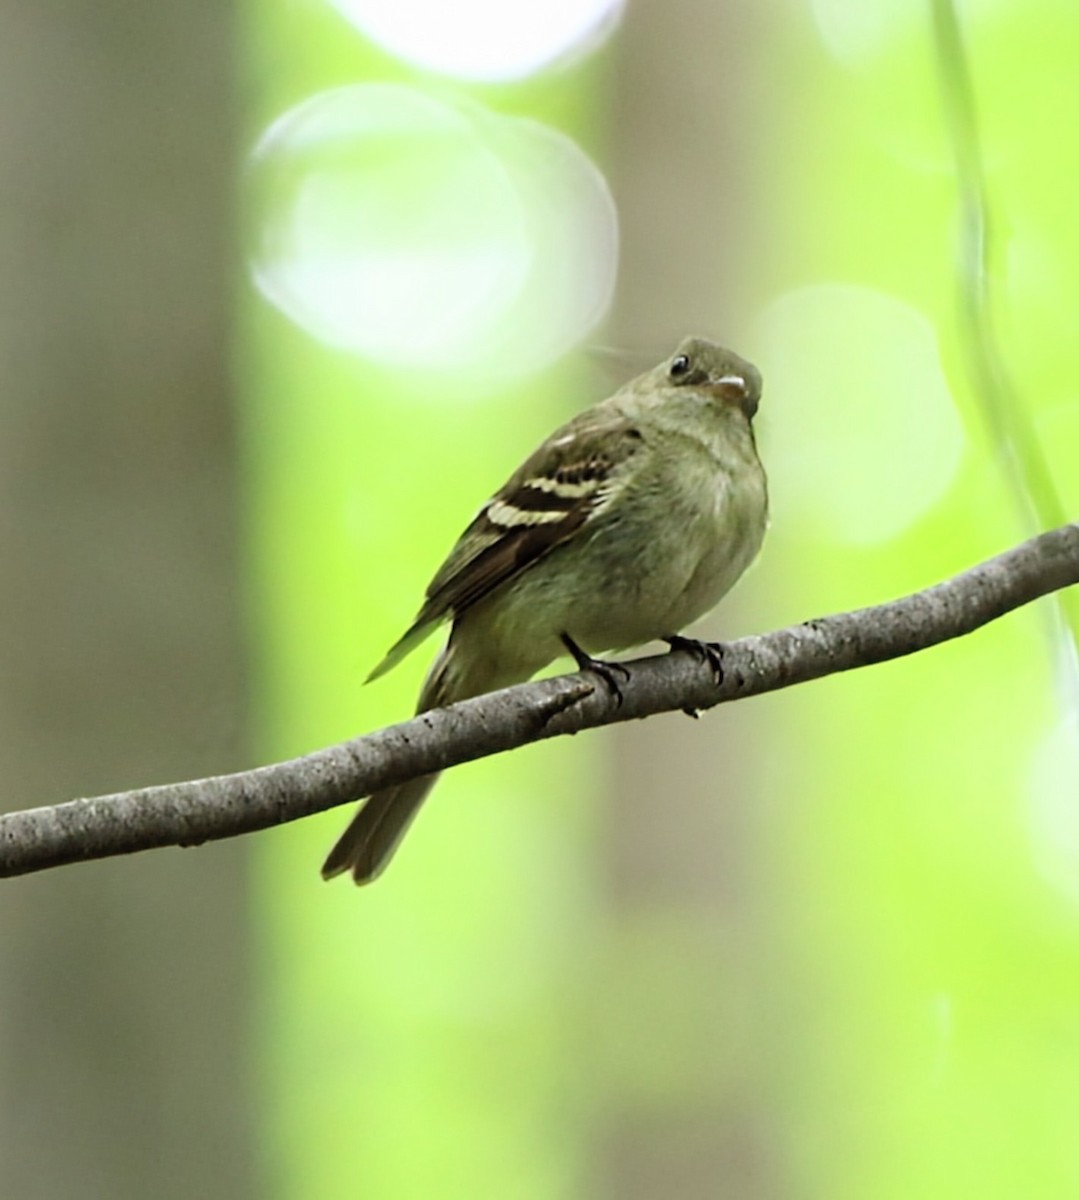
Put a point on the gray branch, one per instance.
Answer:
(200, 810)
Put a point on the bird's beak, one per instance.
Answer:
(735, 389)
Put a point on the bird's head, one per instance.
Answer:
(704, 366)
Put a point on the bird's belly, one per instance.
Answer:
(681, 578)
(666, 587)
(608, 600)
(718, 570)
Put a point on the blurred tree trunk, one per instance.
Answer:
(686, 113)
(123, 985)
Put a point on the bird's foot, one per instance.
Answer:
(709, 652)
(607, 671)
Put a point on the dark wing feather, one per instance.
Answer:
(544, 502)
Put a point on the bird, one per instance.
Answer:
(629, 523)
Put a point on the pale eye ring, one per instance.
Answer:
(680, 366)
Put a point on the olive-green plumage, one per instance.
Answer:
(629, 523)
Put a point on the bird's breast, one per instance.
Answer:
(723, 541)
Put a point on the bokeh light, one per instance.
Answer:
(482, 39)
(855, 32)
(863, 435)
(1053, 817)
(423, 234)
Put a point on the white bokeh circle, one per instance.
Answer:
(482, 39)
(1053, 810)
(405, 229)
(857, 32)
(863, 437)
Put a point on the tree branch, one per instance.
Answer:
(185, 814)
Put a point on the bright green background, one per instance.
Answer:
(911, 1024)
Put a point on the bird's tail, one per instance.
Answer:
(374, 833)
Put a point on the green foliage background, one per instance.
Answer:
(910, 1024)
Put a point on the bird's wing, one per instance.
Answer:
(547, 500)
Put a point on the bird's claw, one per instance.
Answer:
(607, 671)
(709, 652)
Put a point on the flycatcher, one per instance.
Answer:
(628, 523)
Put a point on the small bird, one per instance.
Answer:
(628, 523)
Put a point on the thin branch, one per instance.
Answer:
(185, 814)
(1007, 418)
(1011, 429)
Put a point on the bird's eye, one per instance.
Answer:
(680, 367)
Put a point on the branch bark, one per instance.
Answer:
(186, 814)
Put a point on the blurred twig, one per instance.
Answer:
(185, 814)
(1007, 418)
